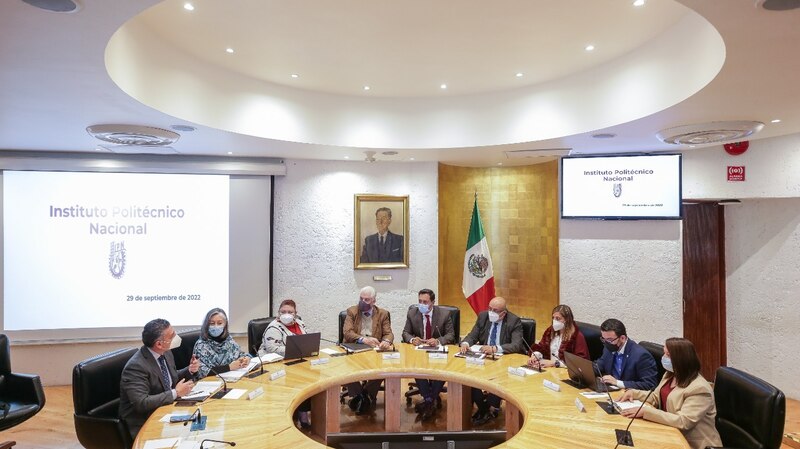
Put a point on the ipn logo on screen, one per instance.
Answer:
(116, 260)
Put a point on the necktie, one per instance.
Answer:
(427, 327)
(162, 363)
(618, 358)
(383, 239)
(493, 335)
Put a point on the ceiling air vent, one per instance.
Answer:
(139, 149)
(65, 6)
(133, 136)
(544, 152)
(708, 133)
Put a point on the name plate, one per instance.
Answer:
(551, 385)
(315, 362)
(277, 374)
(580, 406)
(475, 361)
(255, 393)
(437, 355)
(391, 356)
(517, 371)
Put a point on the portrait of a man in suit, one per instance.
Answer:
(384, 245)
(380, 231)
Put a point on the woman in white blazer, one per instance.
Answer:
(683, 399)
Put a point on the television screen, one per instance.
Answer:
(621, 187)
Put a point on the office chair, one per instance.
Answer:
(750, 411)
(657, 351)
(455, 315)
(592, 334)
(255, 333)
(95, 397)
(21, 395)
(528, 330)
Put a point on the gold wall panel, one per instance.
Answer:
(519, 211)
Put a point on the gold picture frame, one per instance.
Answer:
(380, 231)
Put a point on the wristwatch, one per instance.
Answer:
(558, 364)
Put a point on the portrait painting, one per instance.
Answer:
(381, 231)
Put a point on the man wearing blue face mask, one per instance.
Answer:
(429, 325)
(624, 363)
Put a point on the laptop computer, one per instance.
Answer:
(303, 345)
(583, 374)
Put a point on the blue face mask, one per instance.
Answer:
(423, 308)
(215, 331)
(666, 362)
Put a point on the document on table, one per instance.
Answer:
(330, 351)
(594, 395)
(235, 393)
(424, 347)
(203, 389)
(621, 406)
(161, 443)
(233, 376)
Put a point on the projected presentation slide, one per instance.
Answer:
(621, 187)
(96, 250)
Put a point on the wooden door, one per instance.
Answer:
(704, 283)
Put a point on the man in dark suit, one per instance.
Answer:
(624, 363)
(149, 379)
(430, 325)
(498, 331)
(383, 246)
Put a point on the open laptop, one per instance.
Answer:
(583, 374)
(299, 346)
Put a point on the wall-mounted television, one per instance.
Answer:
(621, 187)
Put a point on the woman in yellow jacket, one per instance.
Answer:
(683, 399)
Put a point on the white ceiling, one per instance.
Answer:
(661, 65)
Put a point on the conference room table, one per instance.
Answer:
(535, 416)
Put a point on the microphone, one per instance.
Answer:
(224, 390)
(440, 336)
(194, 417)
(232, 443)
(536, 354)
(609, 408)
(253, 375)
(624, 436)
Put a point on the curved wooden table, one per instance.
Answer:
(536, 417)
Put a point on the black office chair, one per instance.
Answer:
(95, 396)
(592, 334)
(657, 351)
(528, 331)
(255, 333)
(750, 411)
(21, 395)
(183, 353)
(455, 315)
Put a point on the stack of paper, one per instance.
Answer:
(203, 389)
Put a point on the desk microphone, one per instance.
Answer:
(232, 443)
(440, 336)
(610, 409)
(536, 354)
(194, 417)
(224, 390)
(624, 437)
(253, 375)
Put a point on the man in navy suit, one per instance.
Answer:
(624, 363)
(383, 246)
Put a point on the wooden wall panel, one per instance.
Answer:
(519, 210)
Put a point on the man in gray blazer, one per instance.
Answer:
(149, 379)
(498, 331)
(430, 325)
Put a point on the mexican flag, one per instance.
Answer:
(478, 283)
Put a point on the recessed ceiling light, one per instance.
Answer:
(294, 75)
(499, 163)
(188, 6)
(229, 50)
(777, 120)
(638, 3)
(411, 158)
(519, 74)
(389, 153)
(589, 47)
(230, 152)
(366, 87)
(347, 157)
(692, 146)
(443, 86)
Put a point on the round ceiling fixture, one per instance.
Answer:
(708, 133)
(133, 135)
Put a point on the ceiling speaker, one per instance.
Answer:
(66, 6)
(133, 135)
(708, 133)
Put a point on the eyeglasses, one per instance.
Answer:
(612, 341)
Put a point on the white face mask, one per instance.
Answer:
(287, 319)
(494, 316)
(558, 325)
(176, 342)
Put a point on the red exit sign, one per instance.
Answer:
(735, 173)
